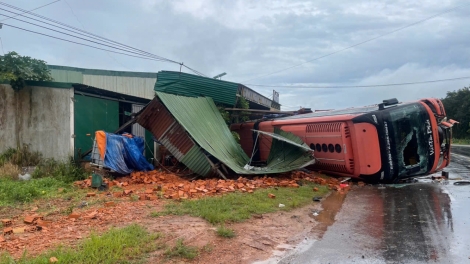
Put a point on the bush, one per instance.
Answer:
(65, 171)
(12, 159)
(21, 157)
(48, 176)
(9, 170)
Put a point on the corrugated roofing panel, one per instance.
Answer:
(68, 76)
(135, 86)
(192, 85)
(196, 160)
(201, 119)
(156, 119)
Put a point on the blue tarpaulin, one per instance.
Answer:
(124, 154)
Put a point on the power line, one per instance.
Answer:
(34, 9)
(96, 42)
(73, 13)
(83, 44)
(83, 27)
(193, 70)
(358, 86)
(91, 35)
(75, 32)
(114, 44)
(360, 43)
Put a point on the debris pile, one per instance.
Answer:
(30, 224)
(171, 186)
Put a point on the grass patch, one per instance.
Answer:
(236, 207)
(123, 245)
(14, 191)
(223, 231)
(47, 177)
(181, 250)
(461, 141)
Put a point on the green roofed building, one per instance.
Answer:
(59, 118)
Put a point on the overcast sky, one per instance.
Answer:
(249, 39)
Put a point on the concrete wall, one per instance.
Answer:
(7, 118)
(39, 116)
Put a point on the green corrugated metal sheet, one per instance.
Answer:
(92, 114)
(196, 161)
(68, 76)
(279, 152)
(201, 119)
(179, 83)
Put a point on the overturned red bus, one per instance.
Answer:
(381, 143)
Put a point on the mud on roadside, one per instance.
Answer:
(256, 239)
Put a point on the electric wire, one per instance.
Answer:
(193, 70)
(83, 27)
(140, 53)
(359, 86)
(85, 32)
(68, 28)
(83, 44)
(27, 11)
(360, 43)
(96, 42)
(73, 13)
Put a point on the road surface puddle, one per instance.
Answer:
(326, 217)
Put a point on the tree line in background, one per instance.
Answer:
(457, 106)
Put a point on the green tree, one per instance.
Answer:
(457, 106)
(17, 69)
(243, 104)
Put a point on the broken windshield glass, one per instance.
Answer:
(412, 137)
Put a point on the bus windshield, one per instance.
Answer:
(413, 140)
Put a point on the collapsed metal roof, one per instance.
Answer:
(193, 130)
(222, 92)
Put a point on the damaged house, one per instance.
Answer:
(60, 118)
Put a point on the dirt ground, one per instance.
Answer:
(256, 239)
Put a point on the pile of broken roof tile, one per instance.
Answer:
(172, 186)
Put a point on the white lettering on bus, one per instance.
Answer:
(431, 139)
(389, 153)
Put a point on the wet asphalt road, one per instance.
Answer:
(423, 222)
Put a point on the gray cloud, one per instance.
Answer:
(248, 39)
